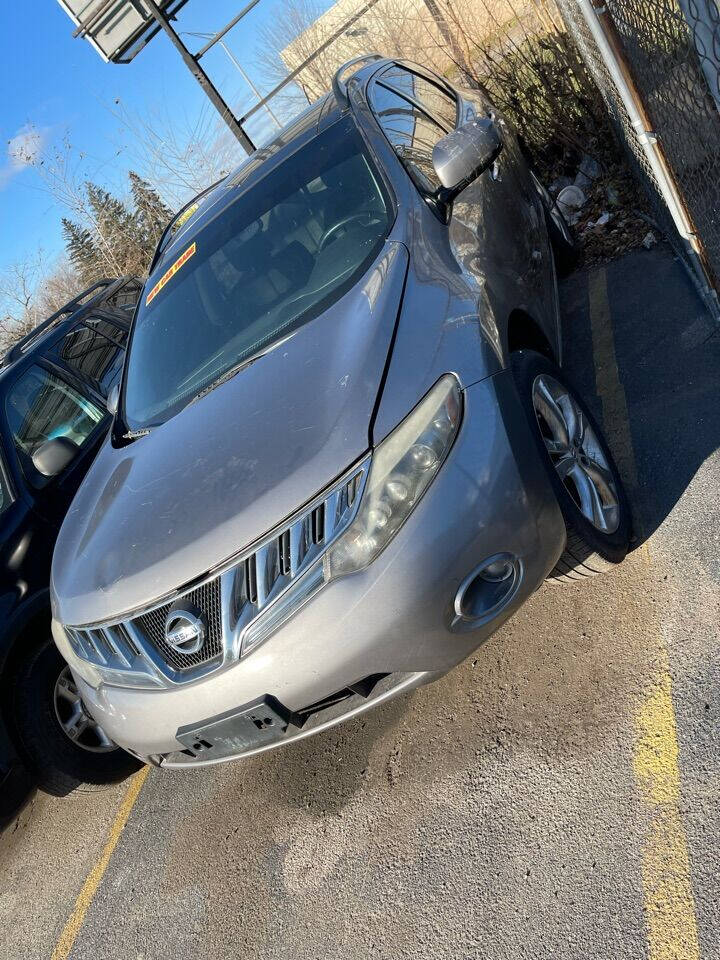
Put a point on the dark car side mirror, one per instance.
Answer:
(53, 456)
(461, 156)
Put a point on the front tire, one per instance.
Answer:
(580, 467)
(63, 746)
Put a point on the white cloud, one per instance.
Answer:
(23, 150)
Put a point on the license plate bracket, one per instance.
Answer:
(256, 724)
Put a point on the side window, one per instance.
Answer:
(127, 296)
(40, 406)
(411, 133)
(6, 497)
(92, 355)
(439, 103)
(113, 331)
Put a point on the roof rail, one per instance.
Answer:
(18, 349)
(339, 86)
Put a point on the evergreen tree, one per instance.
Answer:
(116, 230)
(82, 252)
(151, 214)
(116, 240)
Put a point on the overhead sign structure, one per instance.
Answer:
(114, 27)
(120, 29)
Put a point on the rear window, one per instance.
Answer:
(276, 257)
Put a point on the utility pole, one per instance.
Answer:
(202, 78)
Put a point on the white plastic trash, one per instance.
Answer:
(569, 200)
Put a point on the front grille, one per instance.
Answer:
(231, 601)
(207, 599)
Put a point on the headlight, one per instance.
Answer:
(94, 673)
(402, 468)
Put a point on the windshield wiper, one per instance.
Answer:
(228, 375)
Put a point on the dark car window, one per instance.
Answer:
(272, 259)
(411, 133)
(92, 355)
(41, 406)
(438, 102)
(6, 497)
(113, 331)
(126, 297)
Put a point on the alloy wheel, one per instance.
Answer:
(576, 453)
(75, 721)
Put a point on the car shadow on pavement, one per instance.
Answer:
(18, 792)
(665, 382)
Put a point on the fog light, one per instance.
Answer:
(487, 590)
(497, 571)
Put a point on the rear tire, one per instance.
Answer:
(589, 549)
(59, 765)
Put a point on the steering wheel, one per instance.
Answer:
(324, 239)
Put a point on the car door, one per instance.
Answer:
(42, 404)
(502, 209)
(495, 230)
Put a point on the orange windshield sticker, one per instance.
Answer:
(184, 217)
(183, 259)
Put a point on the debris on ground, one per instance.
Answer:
(649, 240)
(588, 172)
(614, 215)
(570, 200)
(601, 221)
(558, 184)
(612, 195)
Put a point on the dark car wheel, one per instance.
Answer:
(65, 748)
(581, 469)
(565, 245)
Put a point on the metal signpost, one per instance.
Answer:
(120, 29)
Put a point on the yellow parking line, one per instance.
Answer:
(667, 889)
(669, 903)
(94, 879)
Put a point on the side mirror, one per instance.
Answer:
(113, 400)
(53, 456)
(461, 156)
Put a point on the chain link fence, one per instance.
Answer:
(668, 53)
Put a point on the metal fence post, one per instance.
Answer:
(611, 49)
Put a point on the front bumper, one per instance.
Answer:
(396, 618)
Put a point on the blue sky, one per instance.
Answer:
(59, 87)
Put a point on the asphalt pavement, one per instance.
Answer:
(556, 796)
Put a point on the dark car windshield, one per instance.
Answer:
(274, 258)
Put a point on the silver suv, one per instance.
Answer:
(343, 452)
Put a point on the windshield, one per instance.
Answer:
(272, 260)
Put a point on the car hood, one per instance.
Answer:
(158, 513)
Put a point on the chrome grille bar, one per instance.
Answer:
(236, 596)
